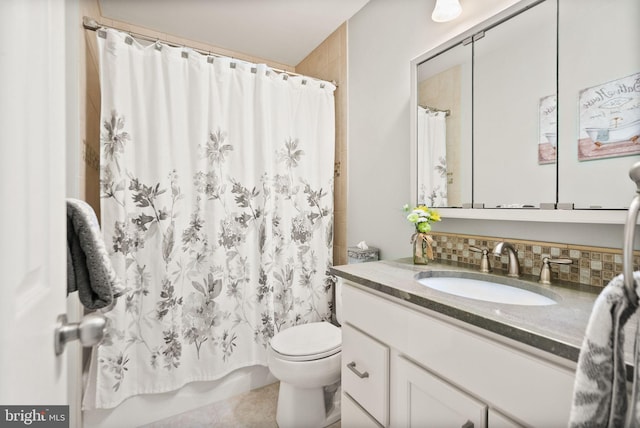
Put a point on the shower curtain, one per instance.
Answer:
(217, 206)
(432, 158)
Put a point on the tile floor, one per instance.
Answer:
(253, 409)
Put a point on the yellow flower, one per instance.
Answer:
(422, 216)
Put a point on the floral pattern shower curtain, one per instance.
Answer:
(217, 206)
(432, 155)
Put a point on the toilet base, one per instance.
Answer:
(333, 407)
(310, 410)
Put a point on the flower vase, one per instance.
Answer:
(422, 250)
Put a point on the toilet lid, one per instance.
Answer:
(306, 342)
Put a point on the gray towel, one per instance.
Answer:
(89, 270)
(600, 390)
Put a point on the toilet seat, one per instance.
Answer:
(307, 342)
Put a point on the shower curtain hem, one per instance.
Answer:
(114, 404)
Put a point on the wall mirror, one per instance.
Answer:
(599, 101)
(514, 77)
(534, 107)
(444, 128)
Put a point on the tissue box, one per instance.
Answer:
(356, 255)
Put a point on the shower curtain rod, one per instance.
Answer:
(447, 111)
(91, 24)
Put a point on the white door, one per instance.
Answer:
(32, 201)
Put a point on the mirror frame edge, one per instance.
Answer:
(599, 216)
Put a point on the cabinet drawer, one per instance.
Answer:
(365, 372)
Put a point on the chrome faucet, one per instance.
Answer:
(513, 268)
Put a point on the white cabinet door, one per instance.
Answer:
(424, 400)
(354, 416)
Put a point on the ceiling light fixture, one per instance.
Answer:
(446, 10)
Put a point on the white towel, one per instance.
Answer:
(600, 390)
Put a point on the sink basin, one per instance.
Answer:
(487, 290)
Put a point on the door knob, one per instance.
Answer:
(90, 331)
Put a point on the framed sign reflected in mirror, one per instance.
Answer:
(609, 117)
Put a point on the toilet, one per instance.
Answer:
(306, 359)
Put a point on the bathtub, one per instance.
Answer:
(552, 138)
(616, 134)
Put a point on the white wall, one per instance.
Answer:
(382, 40)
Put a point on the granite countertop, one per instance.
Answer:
(558, 329)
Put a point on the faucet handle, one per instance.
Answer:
(485, 265)
(545, 271)
(557, 261)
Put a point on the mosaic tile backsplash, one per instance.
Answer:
(594, 266)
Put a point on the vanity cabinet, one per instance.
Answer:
(443, 372)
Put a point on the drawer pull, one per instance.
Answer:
(467, 424)
(352, 366)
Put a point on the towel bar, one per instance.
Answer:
(629, 231)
